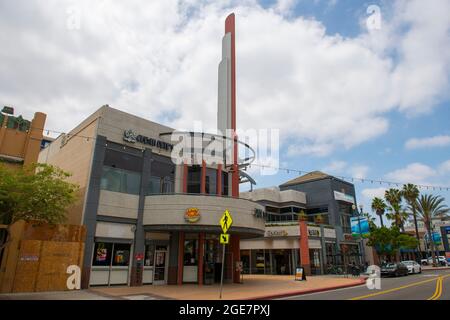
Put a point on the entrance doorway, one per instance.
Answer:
(160, 274)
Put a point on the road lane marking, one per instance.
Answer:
(397, 288)
(437, 294)
(392, 290)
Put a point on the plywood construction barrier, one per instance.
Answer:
(37, 256)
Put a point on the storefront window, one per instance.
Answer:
(102, 254)
(158, 185)
(190, 252)
(119, 180)
(211, 181)
(194, 179)
(121, 255)
(225, 183)
(259, 261)
(149, 255)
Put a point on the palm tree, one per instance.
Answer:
(379, 207)
(411, 193)
(394, 198)
(429, 207)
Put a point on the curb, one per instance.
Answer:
(434, 269)
(302, 292)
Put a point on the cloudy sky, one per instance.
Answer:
(349, 100)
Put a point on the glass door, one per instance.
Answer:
(159, 275)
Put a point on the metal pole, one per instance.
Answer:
(221, 277)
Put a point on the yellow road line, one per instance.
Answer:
(437, 294)
(437, 289)
(399, 288)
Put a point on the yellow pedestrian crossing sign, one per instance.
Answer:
(226, 221)
(224, 238)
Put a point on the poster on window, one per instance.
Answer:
(101, 254)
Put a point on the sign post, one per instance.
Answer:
(225, 223)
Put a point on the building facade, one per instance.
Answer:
(316, 203)
(291, 239)
(148, 220)
(20, 139)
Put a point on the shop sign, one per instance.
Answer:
(132, 137)
(313, 232)
(192, 215)
(300, 274)
(329, 233)
(282, 231)
(139, 256)
(344, 197)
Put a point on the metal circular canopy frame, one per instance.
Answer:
(242, 163)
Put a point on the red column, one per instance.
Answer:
(180, 258)
(201, 247)
(185, 177)
(304, 248)
(219, 180)
(236, 251)
(203, 178)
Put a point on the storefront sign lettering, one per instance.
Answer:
(132, 137)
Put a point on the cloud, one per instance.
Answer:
(370, 193)
(436, 141)
(359, 171)
(159, 60)
(335, 166)
(413, 173)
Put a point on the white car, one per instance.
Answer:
(441, 260)
(413, 267)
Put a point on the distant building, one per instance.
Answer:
(325, 204)
(20, 139)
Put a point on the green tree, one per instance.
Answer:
(411, 193)
(379, 207)
(394, 199)
(37, 192)
(388, 241)
(429, 207)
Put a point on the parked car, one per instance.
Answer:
(441, 260)
(394, 269)
(413, 266)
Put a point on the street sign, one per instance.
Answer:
(224, 238)
(226, 221)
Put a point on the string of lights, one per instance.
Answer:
(287, 170)
(354, 179)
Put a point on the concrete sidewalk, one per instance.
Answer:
(254, 287)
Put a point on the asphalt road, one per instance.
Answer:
(430, 284)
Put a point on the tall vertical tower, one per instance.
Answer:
(226, 115)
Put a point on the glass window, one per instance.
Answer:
(102, 254)
(194, 179)
(211, 181)
(121, 255)
(122, 160)
(119, 180)
(149, 255)
(224, 183)
(190, 252)
(154, 185)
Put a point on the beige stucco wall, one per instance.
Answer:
(275, 195)
(75, 157)
(116, 204)
(170, 209)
